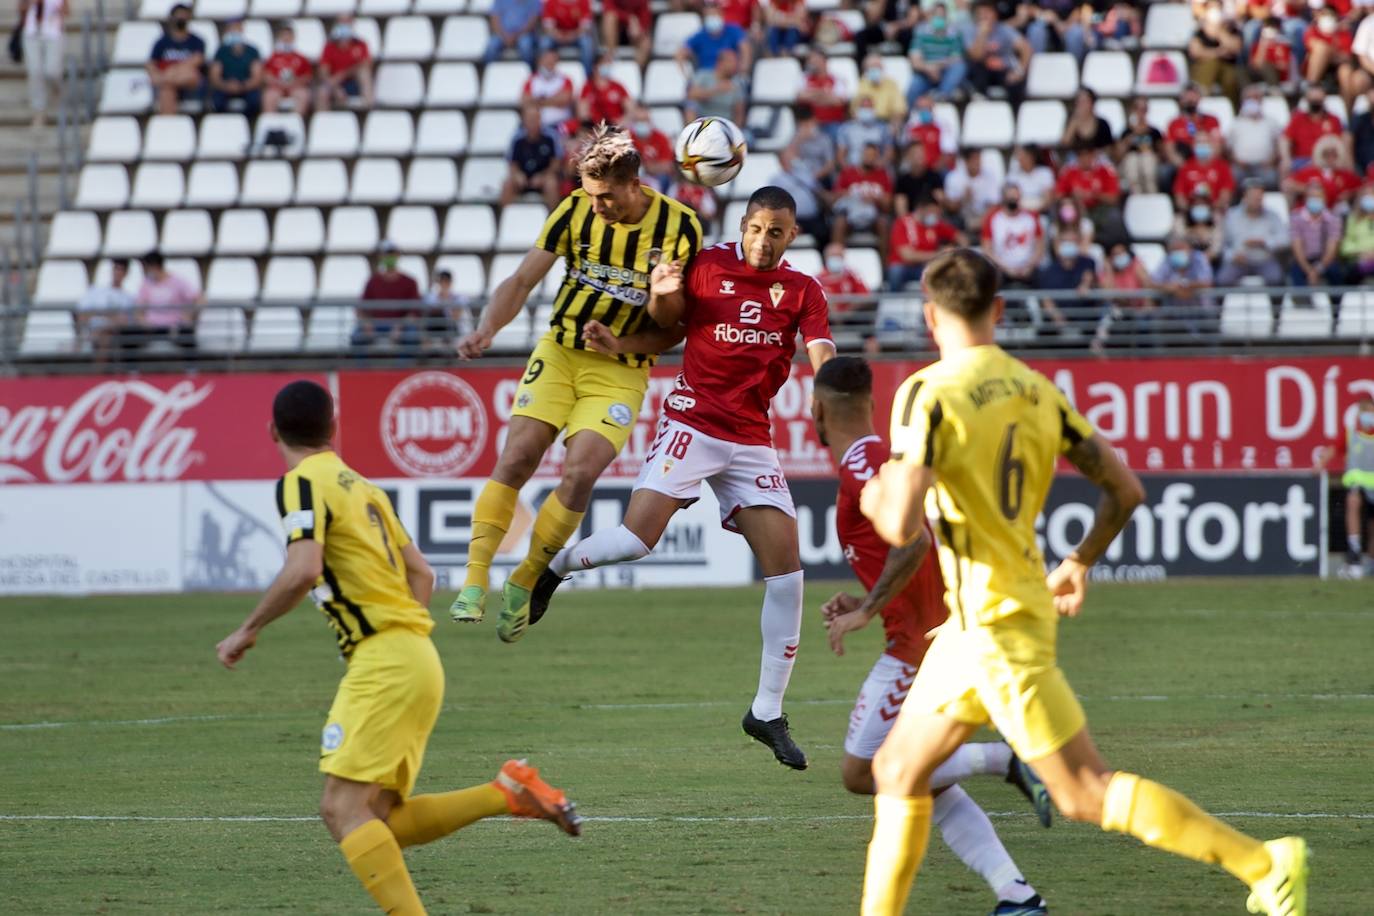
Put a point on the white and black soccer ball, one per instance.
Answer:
(710, 151)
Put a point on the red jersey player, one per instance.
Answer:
(905, 587)
(740, 307)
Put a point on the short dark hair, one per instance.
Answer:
(153, 259)
(962, 281)
(120, 262)
(303, 413)
(181, 6)
(445, 275)
(846, 375)
(771, 197)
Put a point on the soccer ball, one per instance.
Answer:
(710, 151)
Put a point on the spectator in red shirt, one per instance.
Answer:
(1328, 43)
(1271, 59)
(788, 25)
(286, 75)
(569, 22)
(603, 99)
(550, 90)
(1205, 168)
(916, 239)
(1327, 169)
(392, 326)
(852, 307)
(1184, 130)
(628, 22)
(655, 149)
(743, 13)
(921, 128)
(863, 198)
(345, 68)
(1091, 180)
(1306, 125)
(827, 94)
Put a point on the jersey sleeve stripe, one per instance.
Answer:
(307, 498)
(937, 413)
(690, 231)
(910, 404)
(1071, 435)
(557, 225)
(582, 226)
(661, 228)
(281, 496)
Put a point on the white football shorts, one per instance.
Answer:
(880, 699)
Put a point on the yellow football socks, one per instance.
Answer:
(375, 857)
(901, 827)
(552, 528)
(1160, 817)
(426, 818)
(491, 518)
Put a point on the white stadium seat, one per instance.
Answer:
(1305, 315)
(414, 229)
(1275, 108)
(343, 276)
(1052, 76)
(60, 283)
(352, 230)
(1113, 112)
(807, 260)
(482, 179)
(1219, 107)
(1150, 254)
(664, 84)
(268, 183)
(444, 7)
(469, 276)
(126, 92)
(503, 82)
(102, 187)
(1108, 73)
(668, 119)
(289, 123)
(289, 279)
(158, 186)
(627, 74)
(453, 85)
(221, 9)
(187, 232)
(310, 37)
(330, 327)
(376, 181)
(232, 280)
(212, 184)
(330, 8)
(757, 169)
(130, 234)
(492, 131)
(777, 80)
(866, 263)
(1149, 216)
(431, 180)
(772, 127)
(221, 330)
(1168, 25)
(333, 133)
(258, 33)
(73, 235)
(186, 268)
(671, 31)
(574, 72)
(1356, 318)
(388, 133)
(298, 230)
(898, 69)
(369, 33)
(207, 32)
(441, 133)
(988, 123)
(323, 182)
(400, 85)
(469, 227)
(134, 42)
(242, 231)
(274, 9)
(408, 38)
(1159, 112)
(48, 332)
(114, 139)
(1277, 202)
(223, 136)
(500, 269)
(520, 225)
(275, 329)
(1041, 122)
(1247, 315)
(382, 8)
(155, 9)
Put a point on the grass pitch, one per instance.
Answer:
(1254, 697)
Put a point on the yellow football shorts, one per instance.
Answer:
(579, 389)
(384, 710)
(1005, 674)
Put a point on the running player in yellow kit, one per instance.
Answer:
(975, 439)
(346, 548)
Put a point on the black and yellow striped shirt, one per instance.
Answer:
(609, 265)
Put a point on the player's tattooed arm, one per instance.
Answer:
(667, 301)
(598, 337)
(901, 564)
(1121, 493)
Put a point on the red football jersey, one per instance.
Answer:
(1305, 129)
(1216, 174)
(336, 57)
(287, 67)
(1337, 183)
(920, 607)
(742, 329)
(1184, 129)
(1097, 181)
(605, 104)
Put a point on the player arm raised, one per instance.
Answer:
(844, 613)
(667, 298)
(304, 563)
(506, 302)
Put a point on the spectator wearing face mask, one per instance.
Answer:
(863, 198)
(825, 93)
(841, 284)
(1091, 180)
(534, 158)
(1316, 234)
(1254, 238)
(345, 68)
(1200, 224)
(569, 23)
(656, 156)
(812, 147)
(1271, 57)
(1253, 141)
(1356, 75)
(1130, 320)
(916, 239)
(549, 90)
(602, 98)
(395, 325)
(924, 130)
(866, 129)
(1014, 239)
(937, 58)
(719, 92)
(881, 90)
(236, 73)
(1328, 44)
(700, 49)
(450, 317)
(916, 182)
(1188, 127)
(1140, 151)
(1067, 216)
(1183, 276)
(176, 65)
(1327, 169)
(1306, 125)
(971, 190)
(1357, 247)
(286, 75)
(1070, 269)
(1214, 51)
(1208, 169)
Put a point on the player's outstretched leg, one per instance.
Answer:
(517, 790)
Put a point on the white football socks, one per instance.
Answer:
(970, 836)
(780, 623)
(983, 758)
(610, 545)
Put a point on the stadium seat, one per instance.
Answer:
(442, 133)
(102, 187)
(413, 229)
(1041, 122)
(1052, 76)
(333, 133)
(126, 92)
(290, 124)
(275, 329)
(207, 32)
(367, 31)
(1247, 315)
(431, 180)
(1277, 202)
(73, 235)
(289, 279)
(383, 8)
(492, 131)
(1356, 318)
(807, 260)
(470, 227)
(258, 33)
(221, 9)
(232, 280)
(221, 330)
(352, 230)
(502, 83)
(1150, 255)
(844, 69)
(187, 233)
(268, 183)
(330, 328)
(772, 127)
(134, 42)
(1113, 112)
(130, 234)
(322, 182)
(553, 280)
(444, 7)
(671, 31)
(500, 269)
(1305, 315)
(575, 73)
(664, 84)
(400, 85)
(298, 230)
(452, 85)
(1219, 107)
(866, 264)
(310, 38)
(212, 184)
(274, 9)
(777, 80)
(1168, 25)
(388, 133)
(1159, 112)
(463, 38)
(627, 74)
(1149, 217)
(330, 8)
(60, 283)
(242, 231)
(482, 179)
(186, 268)
(1109, 73)
(408, 38)
(158, 186)
(898, 69)
(1275, 108)
(947, 118)
(114, 139)
(758, 168)
(1161, 73)
(343, 277)
(48, 332)
(469, 276)
(223, 136)
(520, 225)
(988, 123)
(376, 181)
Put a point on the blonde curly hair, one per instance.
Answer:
(609, 155)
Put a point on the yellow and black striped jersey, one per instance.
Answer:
(992, 429)
(363, 588)
(609, 264)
